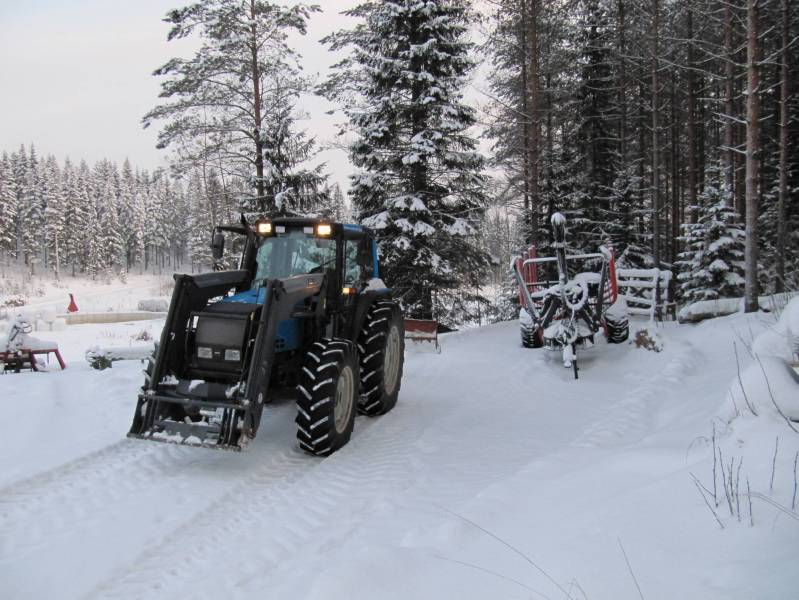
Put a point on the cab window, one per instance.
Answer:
(293, 253)
(352, 270)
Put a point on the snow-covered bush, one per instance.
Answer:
(14, 301)
(767, 385)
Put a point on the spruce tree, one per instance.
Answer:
(8, 207)
(112, 241)
(419, 184)
(54, 217)
(31, 212)
(712, 266)
(592, 223)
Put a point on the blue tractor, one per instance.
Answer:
(305, 314)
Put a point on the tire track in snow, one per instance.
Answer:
(63, 502)
(631, 418)
(63, 499)
(395, 466)
(268, 515)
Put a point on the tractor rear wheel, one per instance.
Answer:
(381, 347)
(327, 396)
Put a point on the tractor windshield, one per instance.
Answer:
(293, 253)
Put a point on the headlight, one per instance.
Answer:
(206, 353)
(232, 354)
(324, 230)
(263, 228)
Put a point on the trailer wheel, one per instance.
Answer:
(617, 329)
(327, 396)
(530, 338)
(381, 347)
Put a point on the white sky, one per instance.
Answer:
(75, 77)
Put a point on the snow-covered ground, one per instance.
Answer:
(90, 295)
(496, 476)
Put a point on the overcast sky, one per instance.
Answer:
(75, 77)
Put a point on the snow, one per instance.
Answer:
(708, 309)
(491, 446)
(375, 284)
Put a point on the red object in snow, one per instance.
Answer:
(73, 308)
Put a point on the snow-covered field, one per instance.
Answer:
(497, 476)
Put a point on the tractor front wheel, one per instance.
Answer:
(381, 346)
(327, 396)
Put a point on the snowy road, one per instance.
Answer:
(486, 432)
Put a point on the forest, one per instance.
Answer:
(663, 129)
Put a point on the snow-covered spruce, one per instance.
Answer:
(419, 183)
(712, 264)
(327, 394)
(381, 347)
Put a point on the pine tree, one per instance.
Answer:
(419, 184)
(221, 96)
(713, 263)
(200, 223)
(290, 186)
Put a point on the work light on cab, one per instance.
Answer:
(263, 228)
(324, 230)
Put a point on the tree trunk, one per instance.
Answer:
(783, 191)
(729, 90)
(622, 85)
(57, 265)
(692, 162)
(655, 141)
(256, 99)
(535, 125)
(675, 173)
(752, 152)
(526, 122)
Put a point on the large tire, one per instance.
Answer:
(327, 395)
(618, 329)
(381, 347)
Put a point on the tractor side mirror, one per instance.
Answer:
(218, 245)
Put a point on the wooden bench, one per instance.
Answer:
(25, 358)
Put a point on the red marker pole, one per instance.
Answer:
(73, 307)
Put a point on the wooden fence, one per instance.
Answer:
(648, 292)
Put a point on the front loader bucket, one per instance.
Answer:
(191, 422)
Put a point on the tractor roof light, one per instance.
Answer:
(263, 228)
(324, 230)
